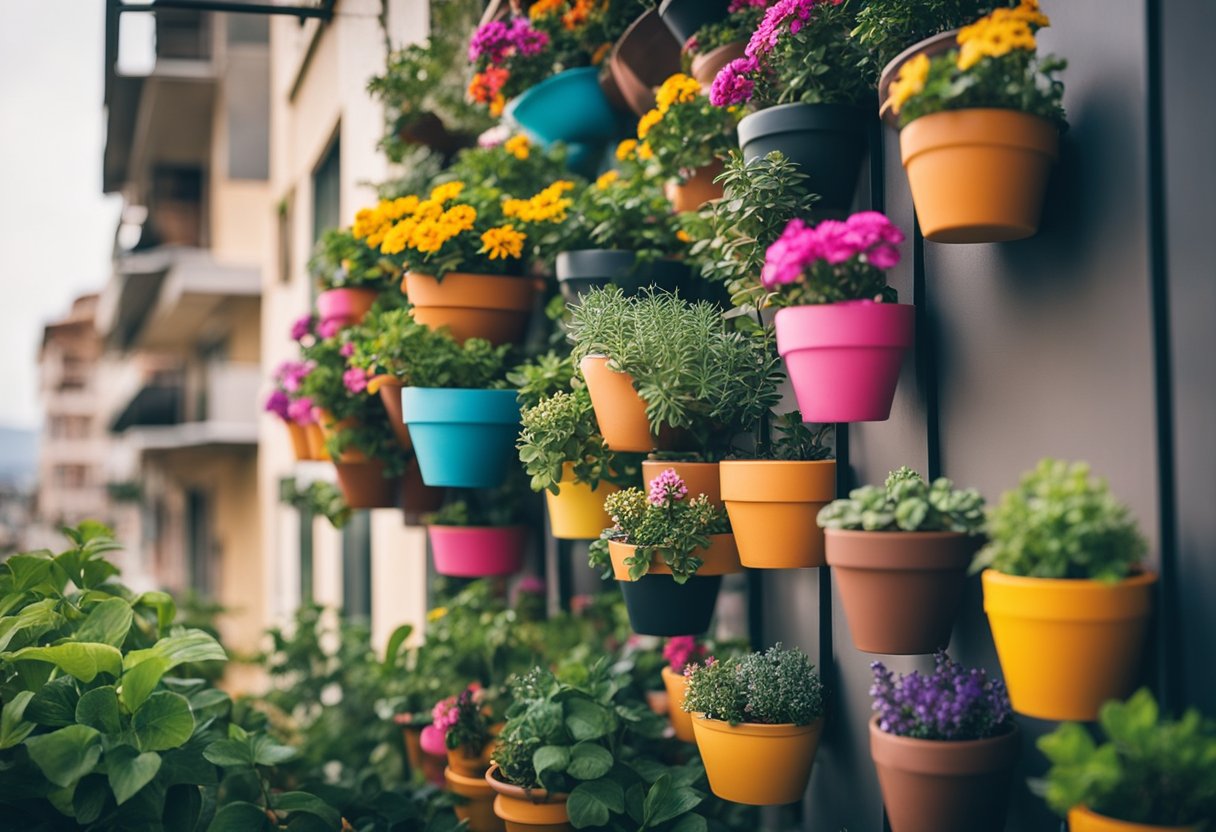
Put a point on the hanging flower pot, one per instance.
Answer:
(345, 306)
(462, 438)
(477, 551)
(582, 270)
(619, 409)
(699, 477)
(299, 441)
(473, 305)
(1066, 646)
(641, 60)
(577, 512)
(1081, 819)
(697, 189)
(759, 765)
(478, 810)
(364, 485)
(681, 720)
(706, 65)
(685, 17)
(567, 107)
(931, 47)
(389, 390)
(773, 505)
(828, 141)
(528, 810)
(844, 358)
(658, 606)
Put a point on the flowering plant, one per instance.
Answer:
(909, 504)
(953, 703)
(664, 522)
(833, 261)
(501, 168)
(561, 429)
(286, 400)
(463, 721)
(802, 51)
(887, 27)
(681, 651)
(340, 261)
(742, 18)
(684, 131)
(996, 65)
(776, 687)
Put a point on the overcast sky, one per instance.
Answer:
(56, 227)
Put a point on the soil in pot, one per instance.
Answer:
(760, 765)
(681, 720)
(943, 786)
(706, 65)
(978, 176)
(347, 306)
(699, 477)
(478, 811)
(620, 411)
(773, 505)
(577, 512)
(528, 810)
(1081, 819)
(1067, 646)
(364, 485)
(685, 17)
(493, 307)
(901, 591)
(462, 438)
(477, 551)
(697, 190)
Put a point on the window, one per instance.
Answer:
(200, 544)
(327, 193)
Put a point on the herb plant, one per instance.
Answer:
(1149, 771)
(392, 343)
(541, 377)
(562, 429)
(1061, 523)
(795, 441)
(906, 503)
(776, 687)
(887, 27)
(952, 703)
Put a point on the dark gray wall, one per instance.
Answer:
(1079, 343)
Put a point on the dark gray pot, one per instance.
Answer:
(829, 142)
(685, 17)
(580, 271)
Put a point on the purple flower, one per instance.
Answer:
(867, 237)
(952, 703)
(300, 411)
(732, 85)
(302, 327)
(768, 33)
(497, 40)
(528, 41)
(347, 349)
(329, 327)
(355, 380)
(278, 403)
(291, 374)
(666, 488)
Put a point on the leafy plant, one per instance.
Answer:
(392, 343)
(541, 377)
(743, 16)
(795, 441)
(951, 704)
(887, 27)
(321, 498)
(1061, 523)
(776, 687)
(340, 261)
(495, 507)
(561, 429)
(909, 504)
(506, 167)
(1149, 771)
(684, 132)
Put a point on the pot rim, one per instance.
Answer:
(468, 782)
(1143, 578)
(718, 542)
(798, 116)
(557, 79)
(1045, 140)
(433, 405)
(756, 729)
(1125, 825)
(536, 796)
(510, 527)
(900, 551)
(931, 46)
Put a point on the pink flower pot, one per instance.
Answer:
(477, 551)
(434, 742)
(345, 306)
(844, 358)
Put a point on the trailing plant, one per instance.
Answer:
(801, 51)
(887, 27)
(793, 440)
(684, 132)
(693, 368)
(776, 687)
(340, 261)
(996, 65)
(561, 429)
(319, 498)
(953, 703)
(1150, 770)
(391, 343)
(660, 523)
(1061, 523)
(907, 503)
(742, 18)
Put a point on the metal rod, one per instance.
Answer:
(319, 12)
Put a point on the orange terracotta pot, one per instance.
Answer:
(697, 190)
(760, 765)
(681, 720)
(620, 411)
(1067, 646)
(299, 440)
(429, 766)
(316, 443)
(699, 477)
(329, 426)
(364, 485)
(773, 506)
(978, 176)
(460, 762)
(721, 558)
(706, 66)
(389, 390)
(478, 811)
(528, 810)
(1081, 819)
(473, 305)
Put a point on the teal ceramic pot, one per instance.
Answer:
(568, 107)
(463, 438)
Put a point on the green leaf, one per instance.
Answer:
(240, 817)
(54, 704)
(108, 623)
(28, 570)
(82, 660)
(129, 771)
(13, 726)
(589, 761)
(162, 602)
(690, 823)
(33, 621)
(229, 753)
(98, 708)
(164, 721)
(66, 755)
(309, 804)
(591, 802)
(550, 758)
(665, 801)
(89, 798)
(395, 643)
(267, 752)
(183, 806)
(145, 668)
(587, 720)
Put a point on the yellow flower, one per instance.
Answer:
(503, 241)
(446, 192)
(678, 89)
(683, 236)
(397, 238)
(647, 122)
(497, 105)
(547, 206)
(626, 148)
(909, 82)
(517, 146)
(999, 34)
(543, 8)
(436, 614)
(645, 153)
(606, 179)
(429, 209)
(461, 217)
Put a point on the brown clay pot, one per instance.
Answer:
(418, 498)
(328, 424)
(478, 810)
(316, 443)
(644, 57)
(773, 506)
(473, 305)
(706, 66)
(697, 190)
(944, 786)
(528, 810)
(620, 411)
(901, 590)
(389, 390)
(681, 720)
(364, 485)
(699, 477)
(931, 47)
(299, 440)
(461, 763)
(1081, 819)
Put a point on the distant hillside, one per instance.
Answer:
(18, 456)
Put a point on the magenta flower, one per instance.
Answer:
(303, 327)
(278, 403)
(354, 380)
(291, 374)
(444, 714)
(792, 14)
(497, 40)
(329, 327)
(732, 85)
(737, 6)
(347, 349)
(300, 411)
(681, 651)
(867, 238)
(666, 488)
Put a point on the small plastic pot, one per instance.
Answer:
(346, 306)
(677, 688)
(567, 107)
(462, 438)
(658, 606)
(760, 765)
(577, 512)
(773, 506)
(582, 270)
(477, 551)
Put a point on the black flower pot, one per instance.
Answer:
(685, 17)
(580, 271)
(828, 141)
(658, 606)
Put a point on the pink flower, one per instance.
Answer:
(291, 374)
(883, 257)
(444, 714)
(302, 327)
(866, 237)
(347, 349)
(355, 380)
(681, 651)
(789, 253)
(278, 403)
(300, 411)
(329, 327)
(732, 85)
(666, 488)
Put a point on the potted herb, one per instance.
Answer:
(718, 42)
(679, 653)
(774, 498)
(685, 138)
(944, 744)
(841, 333)
(349, 276)
(668, 550)
(478, 536)
(462, 261)
(807, 81)
(765, 708)
(1151, 774)
(979, 128)
(1066, 594)
(900, 554)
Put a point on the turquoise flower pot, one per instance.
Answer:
(463, 438)
(567, 107)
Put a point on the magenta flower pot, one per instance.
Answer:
(345, 306)
(477, 551)
(433, 741)
(844, 358)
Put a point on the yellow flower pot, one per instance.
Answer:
(1081, 819)
(479, 811)
(577, 512)
(760, 765)
(681, 720)
(1067, 646)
